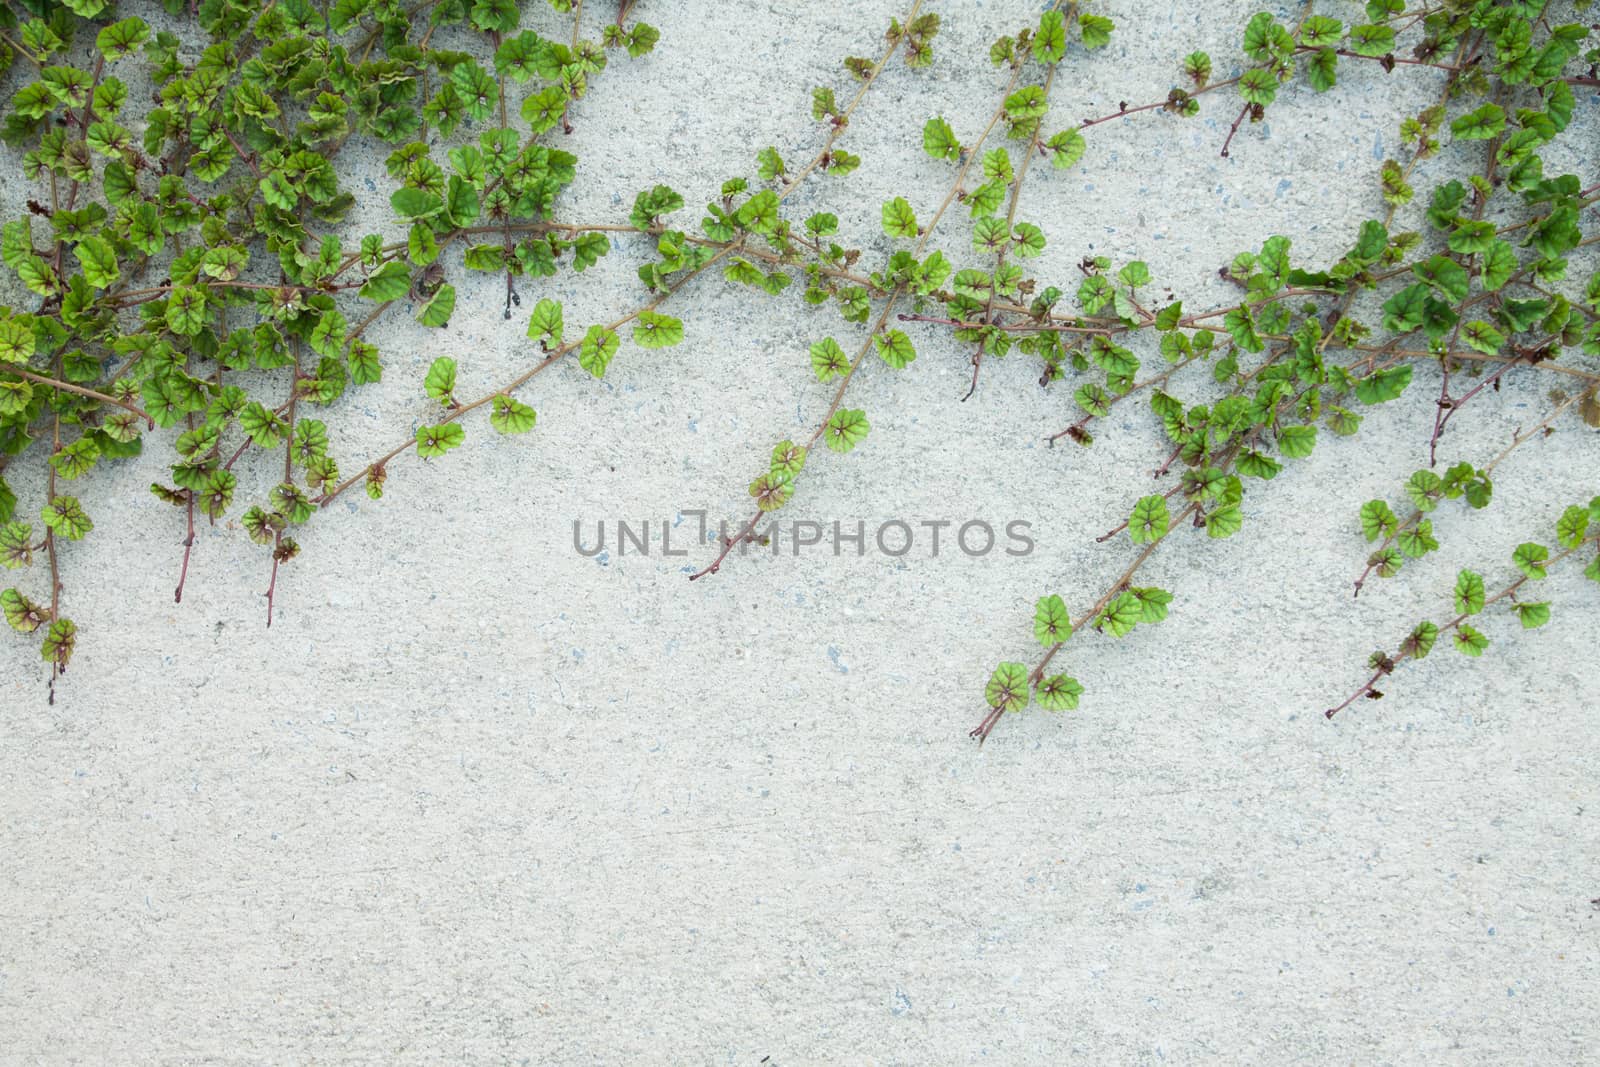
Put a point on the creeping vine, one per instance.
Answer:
(190, 280)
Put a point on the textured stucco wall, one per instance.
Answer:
(475, 798)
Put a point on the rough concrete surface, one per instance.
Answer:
(477, 798)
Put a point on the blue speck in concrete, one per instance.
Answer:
(1377, 147)
(577, 655)
(1284, 186)
(604, 559)
(902, 1003)
(833, 654)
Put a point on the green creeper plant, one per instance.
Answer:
(193, 285)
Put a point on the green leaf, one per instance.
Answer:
(1469, 593)
(309, 442)
(1050, 41)
(1533, 616)
(991, 236)
(1051, 622)
(412, 205)
(389, 282)
(788, 459)
(1224, 521)
(1026, 104)
(1420, 641)
(1377, 520)
(1531, 559)
(1425, 488)
(1153, 601)
(1406, 309)
(657, 331)
(1445, 275)
(939, 140)
(846, 429)
(99, 261)
(1498, 265)
(1572, 526)
(546, 324)
(1028, 240)
(17, 340)
(828, 360)
(1483, 337)
(16, 545)
(121, 38)
(649, 206)
(1297, 442)
(599, 345)
(77, 459)
(1065, 149)
(1487, 122)
(1418, 540)
(759, 214)
(1371, 41)
(895, 348)
(1008, 687)
(544, 109)
(441, 381)
(59, 642)
(1150, 520)
(1258, 86)
(1059, 693)
(771, 490)
(1095, 30)
(1469, 641)
(898, 218)
(1383, 386)
(437, 440)
(224, 263)
(1121, 615)
(587, 250)
(292, 502)
(23, 615)
(511, 415)
(186, 310)
(436, 312)
(769, 164)
(67, 518)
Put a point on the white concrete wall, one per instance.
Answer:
(475, 798)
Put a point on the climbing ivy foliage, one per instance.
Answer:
(186, 252)
(194, 285)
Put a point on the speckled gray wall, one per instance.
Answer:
(476, 798)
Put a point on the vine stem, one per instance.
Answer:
(982, 731)
(68, 387)
(738, 246)
(1446, 406)
(971, 155)
(842, 120)
(1454, 624)
(1517, 441)
(994, 715)
(516, 383)
(288, 476)
(1011, 217)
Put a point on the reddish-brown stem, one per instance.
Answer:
(1234, 129)
(1509, 591)
(188, 547)
(728, 544)
(68, 387)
